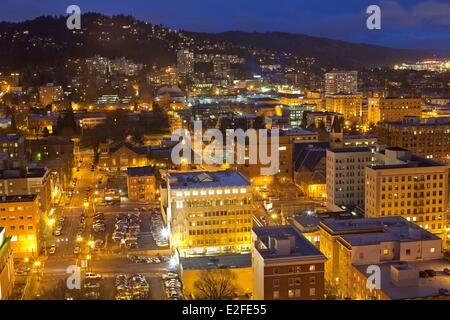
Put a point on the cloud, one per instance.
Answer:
(430, 13)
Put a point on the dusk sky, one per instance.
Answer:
(405, 23)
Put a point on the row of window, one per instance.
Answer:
(293, 293)
(219, 222)
(198, 232)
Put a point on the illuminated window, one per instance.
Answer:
(386, 251)
(432, 250)
(219, 191)
(210, 192)
(243, 190)
(187, 193)
(227, 191)
(195, 193)
(276, 294)
(179, 194)
(235, 191)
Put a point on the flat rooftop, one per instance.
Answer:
(426, 287)
(365, 231)
(350, 149)
(22, 198)
(206, 179)
(302, 247)
(140, 171)
(228, 261)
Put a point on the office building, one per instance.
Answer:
(349, 105)
(354, 248)
(387, 109)
(429, 138)
(403, 184)
(208, 212)
(20, 216)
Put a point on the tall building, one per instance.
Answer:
(429, 138)
(286, 265)
(406, 185)
(349, 105)
(385, 109)
(20, 216)
(6, 266)
(208, 212)
(399, 249)
(345, 175)
(185, 62)
(341, 82)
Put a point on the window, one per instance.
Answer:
(179, 204)
(297, 292)
(276, 294)
(290, 282)
(312, 267)
(290, 293)
(312, 280)
(408, 252)
(275, 271)
(386, 252)
(432, 250)
(312, 291)
(276, 283)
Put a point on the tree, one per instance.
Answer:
(216, 284)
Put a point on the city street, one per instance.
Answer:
(108, 260)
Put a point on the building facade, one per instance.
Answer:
(6, 266)
(208, 212)
(337, 82)
(20, 216)
(345, 175)
(141, 183)
(406, 185)
(286, 266)
(429, 138)
(386, 109)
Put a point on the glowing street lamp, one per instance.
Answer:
(79, 238)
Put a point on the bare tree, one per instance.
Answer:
(216, 284)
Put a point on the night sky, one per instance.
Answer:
(405, 23)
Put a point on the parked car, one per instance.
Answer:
(52, 249)
(431, 272)
(92, 275)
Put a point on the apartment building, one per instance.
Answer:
(345, 175)
(410, 186)
(208, 212)
(341, 82)
(286, 266)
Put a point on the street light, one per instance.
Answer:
(79, 238)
